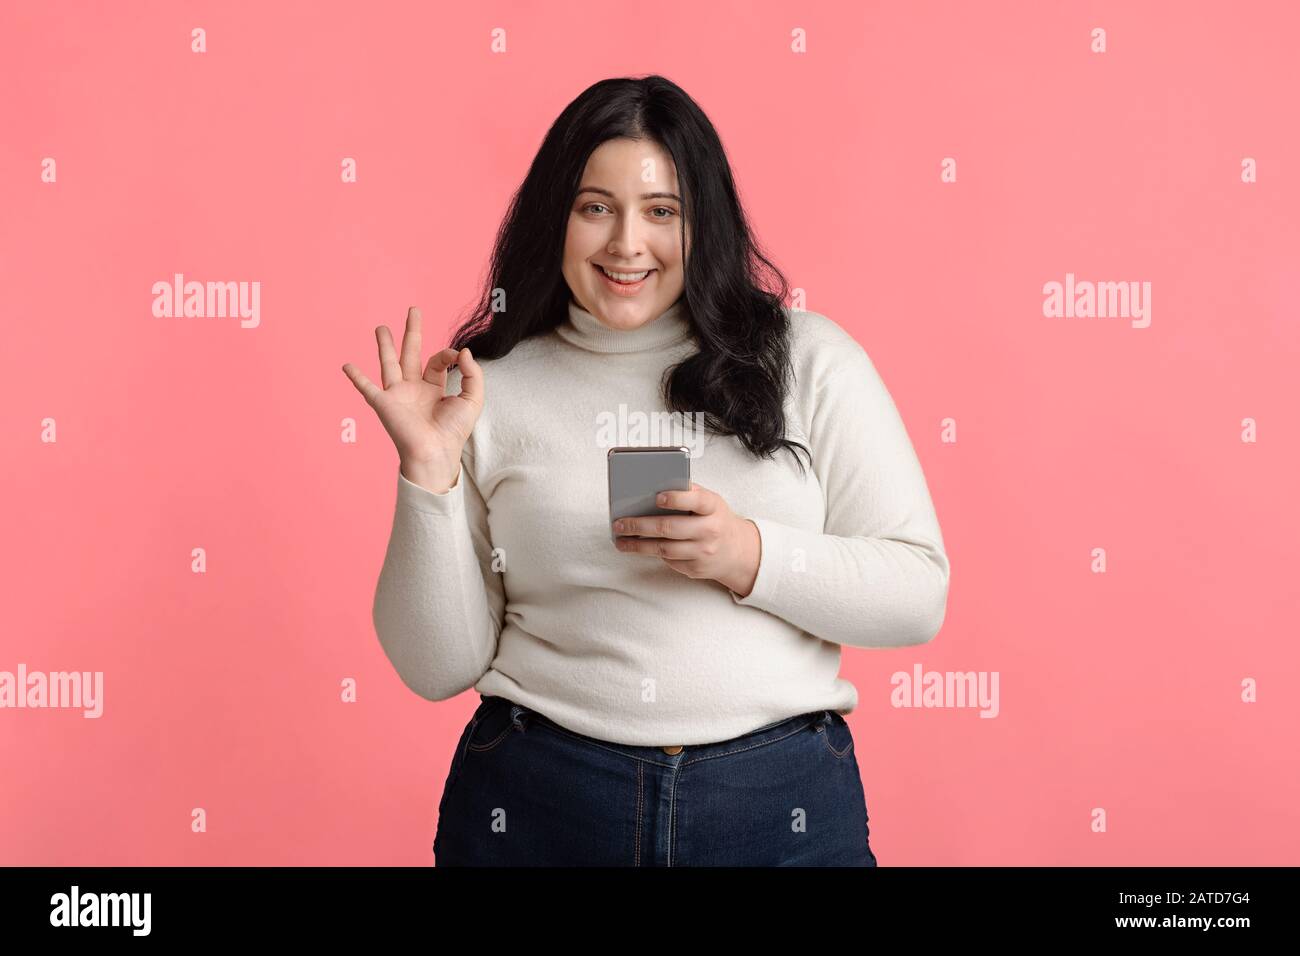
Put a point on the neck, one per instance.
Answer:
(586, 331)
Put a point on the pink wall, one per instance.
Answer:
(1120, 690)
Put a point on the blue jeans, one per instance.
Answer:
(524, 791)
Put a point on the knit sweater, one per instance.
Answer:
(509, 583)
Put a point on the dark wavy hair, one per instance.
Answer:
(738, 379)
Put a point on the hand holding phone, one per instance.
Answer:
(637, 475)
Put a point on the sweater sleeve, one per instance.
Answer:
(439, 605)
(877, 576)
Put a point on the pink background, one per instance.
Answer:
(222, 690)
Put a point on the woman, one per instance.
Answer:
(675, 701)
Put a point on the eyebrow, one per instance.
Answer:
(606, 192)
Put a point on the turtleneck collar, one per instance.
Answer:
(586, 331)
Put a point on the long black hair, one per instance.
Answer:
(738, 379)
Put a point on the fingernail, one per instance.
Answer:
(662, 499)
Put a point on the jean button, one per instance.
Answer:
(673, 750)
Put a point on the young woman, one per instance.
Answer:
(674, 700)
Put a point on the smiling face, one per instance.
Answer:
(626, 217)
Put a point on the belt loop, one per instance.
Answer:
(822, 721)
(517, 713)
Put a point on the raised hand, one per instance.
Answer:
(428, 427)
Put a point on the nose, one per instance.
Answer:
(626, 241)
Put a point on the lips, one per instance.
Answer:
(601, 269)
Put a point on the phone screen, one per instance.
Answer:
(636, 475)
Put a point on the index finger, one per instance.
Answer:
(471, 373)
(435, 370)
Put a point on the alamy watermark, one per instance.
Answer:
(650, 429)
(1082, 299)
(56, 689)
(946, 689)
(102, 909)
(210, 300)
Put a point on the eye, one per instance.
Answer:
(664, 209)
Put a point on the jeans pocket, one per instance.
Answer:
(458, 758)
(835, 733)
(495, 722)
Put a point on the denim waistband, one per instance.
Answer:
(521, 715)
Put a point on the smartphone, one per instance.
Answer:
(636, 475)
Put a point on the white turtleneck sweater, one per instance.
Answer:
(509, 583)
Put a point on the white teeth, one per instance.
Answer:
(626, 276)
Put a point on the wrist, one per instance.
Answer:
(432, 477)
(750, 550)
